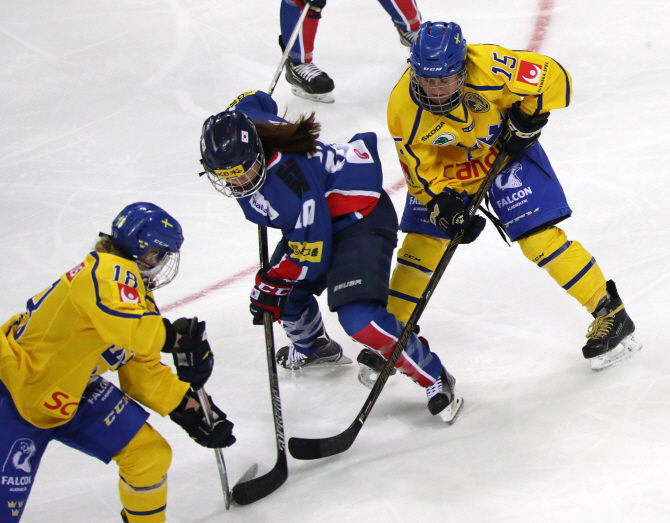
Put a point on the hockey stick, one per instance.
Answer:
(249, 491)
(207, 409)
(246, 492)
(303, 448)
(287, 49)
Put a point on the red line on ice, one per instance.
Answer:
(539, 32)
(541, 25)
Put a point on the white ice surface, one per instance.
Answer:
(101, 104)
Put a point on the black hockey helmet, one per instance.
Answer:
(232, 154)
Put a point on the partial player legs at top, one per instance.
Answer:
(306, 79)
(406, 17)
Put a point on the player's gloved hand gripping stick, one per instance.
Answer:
(194, 362)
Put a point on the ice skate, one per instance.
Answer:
(309, 82)
(370, 365)
(610, 335)
(406, 37)
(328, 353)
(443, 400)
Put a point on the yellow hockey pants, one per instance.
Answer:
(568, 263)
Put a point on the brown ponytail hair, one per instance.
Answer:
(289, 137)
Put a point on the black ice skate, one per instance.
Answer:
(310, 82)
(328, 353)
(443, 400)
(611, 333)
(370, 365)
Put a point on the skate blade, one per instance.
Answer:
(450, 414)
(325, 98)
(628, 346)
(344, 360)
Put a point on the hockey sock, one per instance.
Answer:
(305, 329)
(371, 325)
(403, 12)
(568, 263)
(417, 258)
(143, 466)
(303, 48)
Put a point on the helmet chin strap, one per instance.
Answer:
(148, 272)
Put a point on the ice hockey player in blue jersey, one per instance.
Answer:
(339, 230)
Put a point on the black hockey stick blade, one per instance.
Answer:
(302, 448)
(248, 492)
(249, 474)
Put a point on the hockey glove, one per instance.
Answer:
(193, 357)
(522, 131)
(447, 211)
(192, 419)
(269, 294)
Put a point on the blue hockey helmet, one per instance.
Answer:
(232, 154)
(438, 61)
(152, 238)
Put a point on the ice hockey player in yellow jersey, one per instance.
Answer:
(101, 316)
(448, 115)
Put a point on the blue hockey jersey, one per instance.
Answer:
(311, 197)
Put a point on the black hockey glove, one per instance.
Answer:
(522, 131)
(193, 421)
(269, 294)
(447, 211)
(193, 357)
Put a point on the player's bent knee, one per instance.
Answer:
(421, 251)
(146, 459)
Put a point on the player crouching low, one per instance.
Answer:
(339, 230)
(101, 316)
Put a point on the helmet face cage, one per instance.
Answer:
(161, 274)
(438, 61)
(152, 238)
(428, 91)
(241, 185)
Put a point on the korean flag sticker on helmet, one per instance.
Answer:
(245, 136)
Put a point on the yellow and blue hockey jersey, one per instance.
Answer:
(94, 318)
(456, 151)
